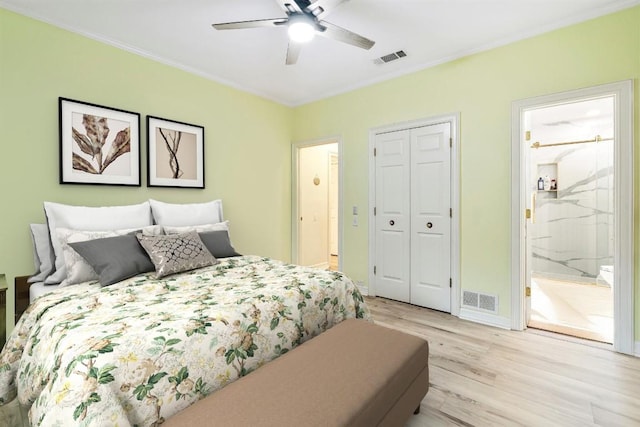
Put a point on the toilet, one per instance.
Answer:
(606, 276)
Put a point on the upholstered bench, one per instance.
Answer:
(355, 374)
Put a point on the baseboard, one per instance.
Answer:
(364, 290)
(485, 318)
(637, 351)
(321, 266)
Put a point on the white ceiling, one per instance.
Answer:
(431, 32)
(580, 120)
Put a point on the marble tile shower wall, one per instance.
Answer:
(573, 231)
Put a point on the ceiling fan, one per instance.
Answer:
(304, 19)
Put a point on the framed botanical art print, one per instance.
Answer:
(98, 145)
(175, 154)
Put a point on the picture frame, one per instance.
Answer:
(175, 154)
(98, 144)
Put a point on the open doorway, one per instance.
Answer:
(571, 233)
(316, 204)
(610, 209)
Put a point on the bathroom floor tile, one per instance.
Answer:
(579, 309)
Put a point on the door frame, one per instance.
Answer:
(295, 208)
(330, 159)
(623, 340)
(454, 120)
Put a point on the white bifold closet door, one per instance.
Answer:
(392, 216)
(412, 221)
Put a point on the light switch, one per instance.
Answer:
(355, 210)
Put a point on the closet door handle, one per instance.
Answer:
(429, 225)
(392, 223)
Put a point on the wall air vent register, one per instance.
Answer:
(480, 301)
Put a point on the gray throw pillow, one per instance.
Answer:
(176, 252)
(218, 243)
(114, 258)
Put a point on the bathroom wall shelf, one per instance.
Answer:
(548, 172)
(547, 194)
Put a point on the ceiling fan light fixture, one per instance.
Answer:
(300, 29)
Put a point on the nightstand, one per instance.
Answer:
(22, 295)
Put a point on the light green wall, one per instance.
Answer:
(247, 139)
(481, 88)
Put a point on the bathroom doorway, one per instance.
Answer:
(572, 213)
(316, 202)
(571, 233)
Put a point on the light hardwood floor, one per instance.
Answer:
(484, 376)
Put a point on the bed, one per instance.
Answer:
(142, 349)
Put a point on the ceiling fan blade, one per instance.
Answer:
(290, 6)
(250, 24)
(293, 51)
(338, 33)
(321, 8)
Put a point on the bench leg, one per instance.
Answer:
(417, 411)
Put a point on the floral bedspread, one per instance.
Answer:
(139, 351)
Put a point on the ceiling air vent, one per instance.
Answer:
(390, 57)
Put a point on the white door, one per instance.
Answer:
(412, 219)
(313, 209)
(393, 216)
(430, 217)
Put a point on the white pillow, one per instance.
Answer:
(90, 219)
(178, 215)
(43, 256)
(77, 269)
(224, 225)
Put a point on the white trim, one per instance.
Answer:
(623, 340)
(330, 158)
(485, 318)
(363, 289)
(454, 120)
(295, 150)
(637, 352)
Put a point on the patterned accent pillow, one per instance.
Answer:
(176, 252)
